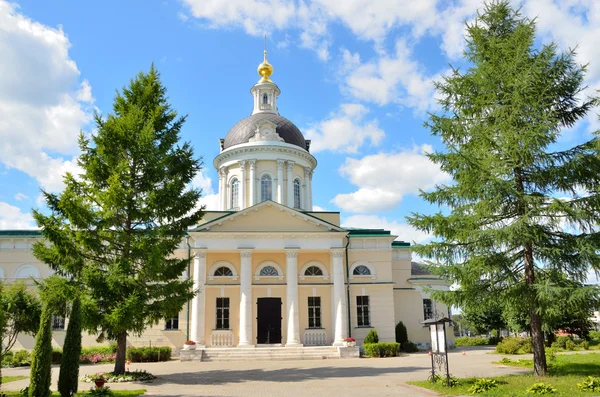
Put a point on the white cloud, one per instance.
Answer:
(345, 130)
(317, 208)
(20, 197)
(43, 103)
(384, 178)
(209, 197)
(11, 217)
(404, 231)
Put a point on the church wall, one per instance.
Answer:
(324, 292)
(381, 260)
(210, 317)
(401, 268)
(381, 306)
(331, 217)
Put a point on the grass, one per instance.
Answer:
(565, 372)
(6, 379)
(117, 393)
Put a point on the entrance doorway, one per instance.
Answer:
(268, 321)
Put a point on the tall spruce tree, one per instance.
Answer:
(41, 361)
(115, 227)
(514, 220)
(68, 378)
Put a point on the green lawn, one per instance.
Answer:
(117, 393)
(6, 379)
(565, 372)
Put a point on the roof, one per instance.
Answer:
(20, 233)
(246, 128)
(418, 269)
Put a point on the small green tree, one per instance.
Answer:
(115, 227)
(513, 210)
(68, 378)
(372, 337)
(401, 333)
(41, 362)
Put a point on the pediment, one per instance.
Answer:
(266, 130)
(268, 217)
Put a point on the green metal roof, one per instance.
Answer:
(400, 244)
(20, 233)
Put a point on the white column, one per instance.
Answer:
(280, 181)
(310, 206)
(220, 190)
(242, 193)
(198, 301)
(339, 302)
(306, 184)
(292, 314)
(290, 184)
(224, 185)
(252, 192)
(246, 299)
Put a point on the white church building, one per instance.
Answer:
(269, 269)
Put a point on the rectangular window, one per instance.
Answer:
(427, 309)
(314, 312)
(222, 313)
(58, 322)
(362, 311)
(172, 323)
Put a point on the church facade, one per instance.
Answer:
(268, 269)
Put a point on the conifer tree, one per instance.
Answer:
(115, 227)
(41, 361)
(515, 220)
(68, 378)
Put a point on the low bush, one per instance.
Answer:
(148, 354)
(594, 335)
(570, 345)
(409, 347)
(99, 392)
(372, 337)
(585, 345)
(128, 376)
(482, 385)
(468, 341)
(382, 349)
(591, 383)
(506, 360)
(514, 346)
(110, 349)
(401, 333)
(494, 340)
(561, 342)
(17, 358)
(541, 388)
(95, 358)
(56, 356)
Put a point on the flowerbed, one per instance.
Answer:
(128, 376)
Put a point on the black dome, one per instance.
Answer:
(246, 128)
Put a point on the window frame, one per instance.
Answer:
(297, 194)
(61, 323)
(363, 318)
(428, 304)
(317, 312)
(234, 198)
(172, 323)
(263, 190)
(223, 313)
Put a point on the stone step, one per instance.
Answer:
(274, 354)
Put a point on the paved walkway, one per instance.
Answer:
(349, 377)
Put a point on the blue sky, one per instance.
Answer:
(355, 75)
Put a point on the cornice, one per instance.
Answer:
(233, 153)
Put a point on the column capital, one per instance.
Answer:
(223, 171)
(337, 252)
(280, 163)
(252, 163)
(291, 253)
(246, 253)
(307, 171)
(290, 165)
(199, 252)
(242, 164)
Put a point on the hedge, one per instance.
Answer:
(148, 354)
(514, 346)
(468, 341)
(382, 349)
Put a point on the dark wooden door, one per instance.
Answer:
(268, 320)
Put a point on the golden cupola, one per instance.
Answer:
(265, 69)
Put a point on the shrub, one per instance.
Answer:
(69, 364)
(541, 388)
(103, 350)
(590, 384)
(506, 360)
(527, 345)
(514, 346)
(494, 340)
(372, 337)
(594, 334)
(148, 354)
(401, 333)
(585, 345)
(551, 354)
(409, 347)
(561, 342)
(56, 356)
(468, 341)
(382, 349)
(18, 358)
(570, 345)
(99, 392)
(453, 381)
(41, 364)
(128, 376)
(482, 385)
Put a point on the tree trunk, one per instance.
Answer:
(121, 353)
(537, 335)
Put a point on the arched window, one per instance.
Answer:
(223, 271)
(266, 188)
(235, 188)
(313, 271)
(361, 271)
(269, 271)
(265, 99)
(297, 202)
